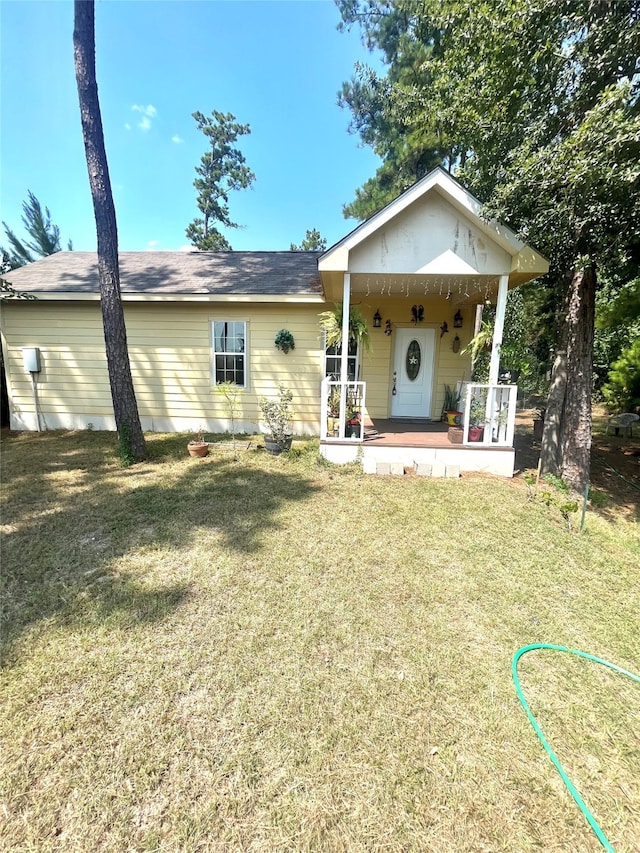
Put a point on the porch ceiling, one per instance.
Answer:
(459, 288)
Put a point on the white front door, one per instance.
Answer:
(414, 351)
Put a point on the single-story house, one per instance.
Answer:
(417, 270)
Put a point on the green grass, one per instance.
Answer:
(276, 654)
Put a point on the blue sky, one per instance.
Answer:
(275, 65)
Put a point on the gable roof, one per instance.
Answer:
(524, 257)
(259, 274)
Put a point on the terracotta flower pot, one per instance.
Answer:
(476, 433)
(198, 448)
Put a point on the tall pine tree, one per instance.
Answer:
(222, 170)
(125, 406)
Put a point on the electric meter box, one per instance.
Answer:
(31, 359)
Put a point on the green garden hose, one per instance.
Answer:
(554, 758)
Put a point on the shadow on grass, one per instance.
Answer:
(71, 515)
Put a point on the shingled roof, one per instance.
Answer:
(222, 273)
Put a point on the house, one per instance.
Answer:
(417, 270)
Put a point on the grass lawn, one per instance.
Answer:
(278, 655)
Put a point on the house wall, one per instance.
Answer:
(171, 361)
(449, 368)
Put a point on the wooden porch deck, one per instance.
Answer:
(406, 433)
(395, 446)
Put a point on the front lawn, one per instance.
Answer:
(275, 654)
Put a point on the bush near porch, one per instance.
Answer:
(275, 654)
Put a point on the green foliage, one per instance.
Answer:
(478, 410)
(331, 324)
(556, 495)
(622, 391)
(284, 341)
(333, 402)
(313, 242)
(278, 415)
(44, 236)
(381, 106)
(222, 170)
(451, 399)
(557, 483)
(207, 239)
(617, 325)
(534, 105)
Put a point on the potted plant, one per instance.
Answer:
(477, 418)
(331, 323)
(284, 341)
(353, 418)
(333, 410)
(277, 415)
(450, 409)
(198, 446)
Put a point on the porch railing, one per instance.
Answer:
(342, 410)
(489, 414)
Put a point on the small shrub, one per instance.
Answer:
(278, 414)
(230, 393)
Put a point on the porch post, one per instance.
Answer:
(501, 304)
(344, 361)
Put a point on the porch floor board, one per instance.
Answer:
(400, 433)
(383, 432)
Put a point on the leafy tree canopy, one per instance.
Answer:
(313, 242)
(534, 104)
(43, 237)
(222, 170)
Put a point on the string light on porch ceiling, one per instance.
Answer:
(466, 286)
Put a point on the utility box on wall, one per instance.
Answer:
(31, 359)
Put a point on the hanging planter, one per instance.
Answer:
(284, 341)
(331, 324)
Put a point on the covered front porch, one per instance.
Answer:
(425, 264)
(430, 448)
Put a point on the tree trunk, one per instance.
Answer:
(123, 395)
(575, 437)
(552, 429)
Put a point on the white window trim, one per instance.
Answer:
(214, 352)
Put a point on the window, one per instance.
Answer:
(229, 352)
(333, 359)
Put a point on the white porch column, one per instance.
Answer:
(344, 361)
(501, 304)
